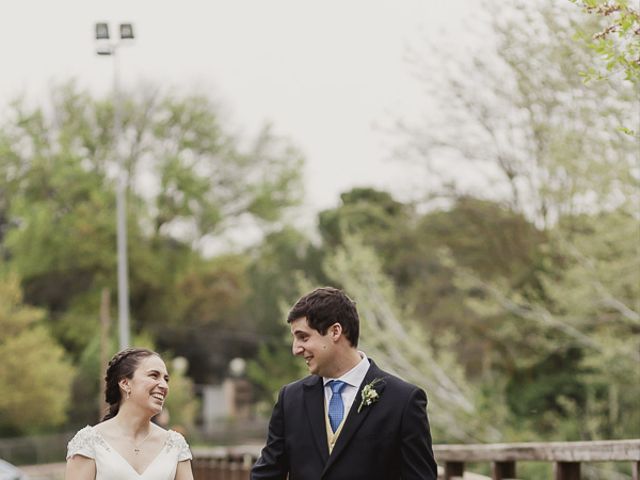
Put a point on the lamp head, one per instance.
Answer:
(102, 31)
(126, 31)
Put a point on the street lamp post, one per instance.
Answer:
(106, 47)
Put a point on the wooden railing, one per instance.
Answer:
(567, 457)
(225, 463)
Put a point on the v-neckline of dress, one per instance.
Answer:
(164, 444)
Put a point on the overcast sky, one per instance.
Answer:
(323, 72)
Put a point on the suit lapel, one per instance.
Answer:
(355, 419)
(314, 406)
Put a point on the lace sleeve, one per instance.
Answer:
(176, 440)
(83, 443)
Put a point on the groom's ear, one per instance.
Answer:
(335, 331)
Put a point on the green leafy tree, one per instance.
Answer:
(35, 376)
(484, 236)
(573, 354)
(383, 223)
(618, 43)
(402, 346)
(278, 265)
(556, 155)
(189, 180)
(517, 113)
(372, 213)
(281, 256)
(490, 240)
(212, 324)
(274, 366)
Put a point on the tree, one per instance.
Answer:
(367, 211)
(189, 181)
(381, 222)
(274, 366)
(277, 265)
(281, 256)
(573, 353)
(563, 161)
(519, 111)
(35, 377)
(394, 339)
(618, 43)
(599, 295)
(211, 320)
(414, 252)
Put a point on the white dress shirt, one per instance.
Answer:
(353, 379)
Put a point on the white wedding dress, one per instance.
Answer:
(111, 466)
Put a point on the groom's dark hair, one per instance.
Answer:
(325, 306)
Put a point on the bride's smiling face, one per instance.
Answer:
(149, 386)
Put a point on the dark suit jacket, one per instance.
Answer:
(388, 440)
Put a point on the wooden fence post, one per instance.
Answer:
(503, 470)
(567, 471)
(453, 470)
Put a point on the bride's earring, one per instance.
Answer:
(128, 394)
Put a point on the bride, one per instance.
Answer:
(126, 445)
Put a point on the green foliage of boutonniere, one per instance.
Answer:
(369, 394)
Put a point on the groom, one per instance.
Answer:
(348, 420)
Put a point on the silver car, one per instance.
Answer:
(9, 472)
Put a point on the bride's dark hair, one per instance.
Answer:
(122, 365)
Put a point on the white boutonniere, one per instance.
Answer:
(369, 394)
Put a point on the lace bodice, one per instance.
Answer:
(111, 466)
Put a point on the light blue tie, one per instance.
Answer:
(336, 407)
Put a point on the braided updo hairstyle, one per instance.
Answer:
(122, 365)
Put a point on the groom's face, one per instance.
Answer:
(316, 349)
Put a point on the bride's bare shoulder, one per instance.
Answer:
(158, 429)
(105, 428)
